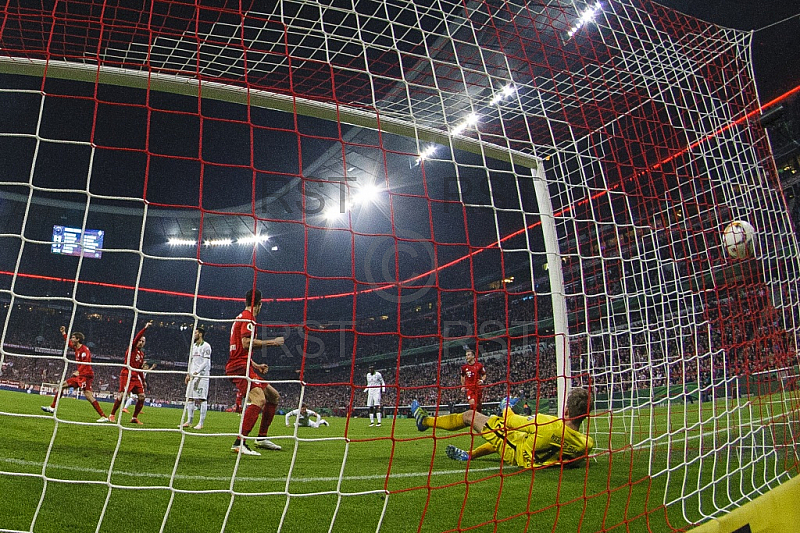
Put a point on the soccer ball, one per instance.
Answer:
(738, 238)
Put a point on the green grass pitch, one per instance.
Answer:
(66, 476)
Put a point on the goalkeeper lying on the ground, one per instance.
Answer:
(538, 440)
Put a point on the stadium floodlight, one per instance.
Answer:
(587, 16)
(174, 241)
(332, 214)
(471, 120)
(252, 239)
(426, 153)
(219, 242)
(504, 93)
(366, 194)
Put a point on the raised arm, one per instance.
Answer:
(140, 334)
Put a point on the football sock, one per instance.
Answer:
(480, 451)
(138, 409)
(116, 406)
(250, 417)
(203, 411)
(266, 419)
(98, 408)
(451, 422)
(371, 418)
(379, 417)
(189, 410)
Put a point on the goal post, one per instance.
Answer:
(557, 292)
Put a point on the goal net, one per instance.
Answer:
(544, 183)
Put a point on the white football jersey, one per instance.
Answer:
(200, 363)
(375, 382)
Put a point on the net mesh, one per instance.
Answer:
(546, 183)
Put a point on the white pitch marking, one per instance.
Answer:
(21, 462)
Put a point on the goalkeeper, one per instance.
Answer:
(538, 440)
(304, 415)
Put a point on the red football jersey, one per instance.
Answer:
(472, 373)
(244, 326)
(84, 358)
(133, 355)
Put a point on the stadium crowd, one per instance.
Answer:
(523, 364)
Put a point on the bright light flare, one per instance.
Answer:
(504, 93)
(252, 239)
(366, 194)
(173, 241)
(219, 242)
(332, 214)
(586, 17)
(426, 153)
(471, 120)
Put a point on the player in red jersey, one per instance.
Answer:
(131, 377)
(473, 375)
(82, 378)
(262, 398)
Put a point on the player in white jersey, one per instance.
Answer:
(304, 415)
(197, 379)
(375, 386)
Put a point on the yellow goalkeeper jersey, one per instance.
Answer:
(538, 440)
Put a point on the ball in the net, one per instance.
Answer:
(738, 238)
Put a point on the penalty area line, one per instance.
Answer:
(153, 475)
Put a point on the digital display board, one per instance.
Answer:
(69, 241)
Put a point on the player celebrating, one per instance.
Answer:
(473, 376)
(538, 440)
(82, 378)
(304, 415)
(133, 399)
(262, 398)
(131, 380)
(375, 386)
(197, 379)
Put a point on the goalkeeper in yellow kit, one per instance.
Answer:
(538, 440)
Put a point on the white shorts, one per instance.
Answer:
(374, 398)
(197, 389)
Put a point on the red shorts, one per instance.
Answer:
(476, 396)
(81, 382)
(135, 385)
(242, 383)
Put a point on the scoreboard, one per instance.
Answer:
(71, 241)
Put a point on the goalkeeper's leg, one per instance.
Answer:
(451, 422)
(457, 454)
